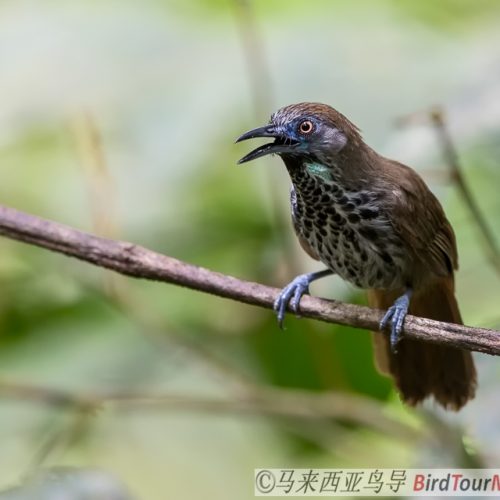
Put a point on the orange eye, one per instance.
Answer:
(306, 127)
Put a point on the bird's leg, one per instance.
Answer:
(293, 292)
(396, 315)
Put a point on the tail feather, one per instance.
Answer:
(422, 369)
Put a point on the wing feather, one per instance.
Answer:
(419, 219)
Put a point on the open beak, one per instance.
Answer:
(281, 144)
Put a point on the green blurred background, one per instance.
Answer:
(119, 117)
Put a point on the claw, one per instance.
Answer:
(293, 292)
(290, 296)
(396, 315)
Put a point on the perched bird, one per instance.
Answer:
(375, 223)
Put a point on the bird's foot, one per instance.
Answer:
(291, 295)
(396, 315)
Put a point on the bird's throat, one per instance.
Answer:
(319, 170)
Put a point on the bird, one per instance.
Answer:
(375, 223)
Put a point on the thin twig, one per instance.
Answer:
(92, 157)
(437, 117)
(451, 156)
(255, 57)
(60, 436)
(261, 87)
(273, 402)
(138, 262)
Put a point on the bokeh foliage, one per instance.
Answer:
(167, 85)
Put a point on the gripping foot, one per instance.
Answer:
(396, 315)
(293, 292)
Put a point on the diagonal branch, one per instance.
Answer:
(438, 120)
(139, 262)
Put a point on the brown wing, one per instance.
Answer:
(419, 219)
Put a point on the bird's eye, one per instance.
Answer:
(306, 127)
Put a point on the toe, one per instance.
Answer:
(387, 316)
(277, 303)
(281, 319)
(280, 308)
(291, 295)
(281, 303)
(295, 302)
(399, 322)
(397, 328)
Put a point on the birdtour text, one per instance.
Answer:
(455, 482)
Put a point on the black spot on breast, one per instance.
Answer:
(331, 188)
(338, 219)
(317, 192)
(386, 258)
(364, 256)
(325, 198)
(368, 233)
(308, 223)
(379, 275)
(322, 213)
(368, 213)
(349, 234)
(343, 200)
(364, 198)
(353, 218)
(323, 231)
(349, 207)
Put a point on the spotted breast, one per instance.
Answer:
(348, 231)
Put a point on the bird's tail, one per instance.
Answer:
(421, 369)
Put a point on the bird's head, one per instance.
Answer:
(311, 131)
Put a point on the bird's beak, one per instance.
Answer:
(282, 143)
